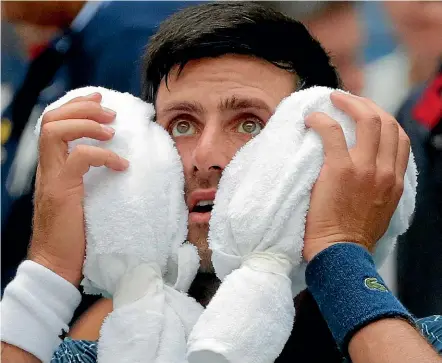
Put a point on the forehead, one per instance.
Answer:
(210, 79)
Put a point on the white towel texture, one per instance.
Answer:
(257, 229)
(136, 223)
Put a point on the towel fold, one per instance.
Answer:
(257, 229)
(136, 222)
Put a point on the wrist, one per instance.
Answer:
(313, 249)
(37, 307)
(71, 275)
(349, 292)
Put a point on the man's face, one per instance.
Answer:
(211, 110)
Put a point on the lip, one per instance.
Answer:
(199, 218)
(198, 195)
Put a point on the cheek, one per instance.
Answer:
(237, 141)
(185, 147)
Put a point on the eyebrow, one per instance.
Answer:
(185, 106)
(232, 103)
(235, 103)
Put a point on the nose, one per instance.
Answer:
(210, 153)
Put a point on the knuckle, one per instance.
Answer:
(399, 187)
(366, 173)
(47, 131)
(392, 123)
(110, 156)
(50, 116)
(374, 119)
(404, 139)
(81, 150)
(387, 177)
(91, 105)
(368, 169)
(334, 127)
(91, 109)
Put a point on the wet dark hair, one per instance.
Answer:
(246, 28)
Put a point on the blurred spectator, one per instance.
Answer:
(337, 26)
(417, 26)
(379, 40)
(12, 62)
(420, 250)
(99, 44)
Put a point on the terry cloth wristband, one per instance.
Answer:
(37, 307)
(349, 292)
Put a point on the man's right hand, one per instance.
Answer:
(58, 240)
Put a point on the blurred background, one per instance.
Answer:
(387, 51)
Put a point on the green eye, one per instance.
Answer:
(183, 128)
(250, 127)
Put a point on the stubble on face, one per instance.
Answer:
(198, 232)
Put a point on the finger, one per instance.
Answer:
(388, 147)
(403, 154)
(55, 136)
(403, 143)
(81, 109)
(368, 128)
(335, 146)
(96, 97)
(83, 157)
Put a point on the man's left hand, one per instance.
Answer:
(358, 189)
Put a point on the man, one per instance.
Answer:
(215, 74)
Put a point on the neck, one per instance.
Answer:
(204, 287)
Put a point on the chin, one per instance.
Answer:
(206, 262)
(198, 237)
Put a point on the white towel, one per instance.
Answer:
(257, 229)
(136, 223)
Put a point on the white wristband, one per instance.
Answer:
(37, 307)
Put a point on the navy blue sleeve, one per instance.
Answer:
(75, 351)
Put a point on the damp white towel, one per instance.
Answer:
(257, 229)
(136, 223)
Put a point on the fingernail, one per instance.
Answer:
(109, 111)
(108, 129)
(93, 95)
(338, 93)
(124, 163)
(308, 119)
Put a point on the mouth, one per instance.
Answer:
(203, 206)
(200, 206)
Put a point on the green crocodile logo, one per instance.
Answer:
(372, 283)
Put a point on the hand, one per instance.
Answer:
(58, 240)
(359, 189)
